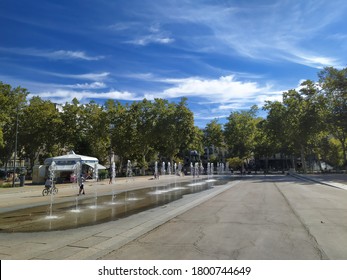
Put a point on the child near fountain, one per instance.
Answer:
(81, 186)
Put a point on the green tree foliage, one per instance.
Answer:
(72, 130)
(334, 86)
(12, 101)
(38, 129)
(95, 133)
(185, 132)
(174, 127)
(331, 151)
(296, 126)
(146, 131)
(240, 131)
(119, 129)
(143, 116)
(265, 144)
(274, 128)
(196, 143)
(235, 163)
(213, 136)
(304, 118)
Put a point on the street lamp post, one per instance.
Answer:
(112, 163)
(15, 149)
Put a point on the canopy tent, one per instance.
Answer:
(65, 167)
(99, 166)
(67, 162)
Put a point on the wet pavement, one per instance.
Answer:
(97, 208)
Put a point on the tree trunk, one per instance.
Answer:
(344, 154)
(266, 164)
(303, 159)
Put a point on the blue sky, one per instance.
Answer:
(222, 55)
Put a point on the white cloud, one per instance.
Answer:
(56, 55)
(232, 107)
(218, 97)
(87, 76)
(63, 95)
(63, 54)
(114, 94)
(310, 60)
(210, 114)
(95, 85)
(151, 39)
(144, 35)
(220, 90)
(141, 76)
(275, 31)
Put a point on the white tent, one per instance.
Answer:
(65, 166)
(67, 162)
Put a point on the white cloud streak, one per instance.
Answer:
(151, 39)
(87, 76)
(63, 95)
(95, 85)
(55, 55)
(63, 54)
(272, 31)
(143, 36)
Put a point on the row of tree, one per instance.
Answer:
(309, 121)
(142, 131)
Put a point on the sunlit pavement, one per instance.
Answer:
(254, 217)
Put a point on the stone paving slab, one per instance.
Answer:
(60, 254)
(331, 180)
(227, 226)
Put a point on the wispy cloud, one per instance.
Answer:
(64, 95)
(151, 39)
(122, 26)
(63, 54)
(95, 85)
(86, 76)
(315, 61)
(278, 30)
(140, 76)
(142, 35)
(338, 37)
(55, 55)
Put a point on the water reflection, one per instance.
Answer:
(98, 209)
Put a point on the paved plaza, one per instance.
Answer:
(274, 217)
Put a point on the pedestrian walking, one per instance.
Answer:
(81, 186)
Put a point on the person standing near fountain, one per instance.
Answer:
(81, 179)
